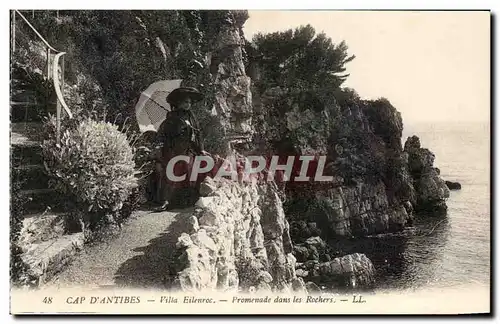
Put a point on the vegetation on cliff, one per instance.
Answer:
(302, 108)
(119, 53)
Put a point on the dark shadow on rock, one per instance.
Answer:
(149, 269)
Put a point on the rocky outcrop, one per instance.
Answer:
(357, 211)
(350, 271)
(453, 185)
(233, 97)
(314, 248)
(431, 190)
(386, 122)
(280, 115)
(239, 238)
(352, 211)
(372, 191)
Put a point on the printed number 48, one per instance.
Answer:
(47, 300)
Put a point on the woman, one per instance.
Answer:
(179, 134)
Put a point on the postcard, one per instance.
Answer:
(250, 162)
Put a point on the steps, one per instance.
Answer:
(41, 200)
(44, 239)
(41, 227)
(26, 111)
(49, 257)
(31, 96)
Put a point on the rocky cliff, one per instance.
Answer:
(431, 190)
(378, 186)
(373, 191)
(238, 238)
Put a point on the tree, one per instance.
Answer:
(300, 59)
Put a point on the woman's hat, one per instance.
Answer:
(179, 94)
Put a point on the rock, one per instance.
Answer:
(298, 285)
(408, 207)
(233, 96)
(386, 122)
(40, 228)
(265, 276)
(287, 240)
(352, 211)
(192, 224)
(207, 187)
(202, 240)
(299, 231)
(210, 218)
(184, 241)
(264, 287)
(430, 187)
(301, 273)
(310, 264)
(453, 185)
(206, 202)
(431, 194)
(198, 275)
(301, 253)
(412, 144)
(44, 260)
(313, 253)
(431, 190)
(354, 270)
(317, 242)
(313, 228)
(240, 238)
(312, 288)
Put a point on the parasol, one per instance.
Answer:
(152, 107)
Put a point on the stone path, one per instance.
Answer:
(137, 257)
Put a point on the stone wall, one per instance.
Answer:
(238, 238)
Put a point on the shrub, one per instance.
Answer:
(93, 168)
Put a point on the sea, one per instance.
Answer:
(451, 251)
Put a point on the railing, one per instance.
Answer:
(57, 61)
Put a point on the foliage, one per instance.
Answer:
(299, 75)
(112, 56)
(19, 271)
(122, 52)
(93, 167)
(308, 70)
(300, 59)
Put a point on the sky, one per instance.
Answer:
(432, 66)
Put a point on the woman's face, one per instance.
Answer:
(185, 104)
